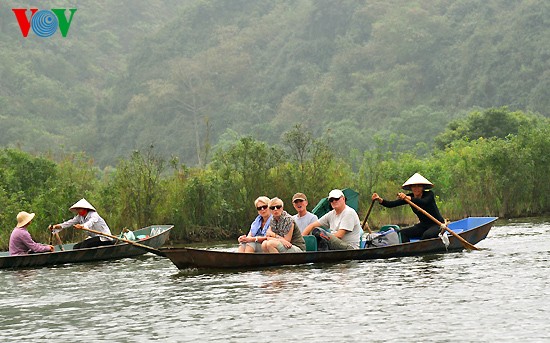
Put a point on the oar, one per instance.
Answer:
(368, 214)
(464, 242)
(56, 234)
(142, 246)
(59, 241)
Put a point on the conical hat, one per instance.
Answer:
(82, 203)
(417, 179)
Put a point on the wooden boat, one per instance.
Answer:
(472, 229)
(152, 236)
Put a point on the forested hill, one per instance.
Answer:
(186, 76)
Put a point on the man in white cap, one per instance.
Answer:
(21, 242)
(87, 217)
(422, 197)
(342, 221)
(303, 218)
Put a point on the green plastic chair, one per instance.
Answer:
(311, 243)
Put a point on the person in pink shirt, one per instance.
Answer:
(21, 242)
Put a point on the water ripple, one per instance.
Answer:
(497, 294)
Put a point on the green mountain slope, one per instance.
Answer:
(185, 76)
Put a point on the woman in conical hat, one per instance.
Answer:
(422, 197)
(87, 217)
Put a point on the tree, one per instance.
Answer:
(494, 122)
(300, 143)
(138, 181)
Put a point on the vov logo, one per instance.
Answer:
(44, 23)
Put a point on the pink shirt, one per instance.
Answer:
(21, 243)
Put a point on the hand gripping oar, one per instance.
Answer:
(464, 242)
(142, 246)
(368, 214)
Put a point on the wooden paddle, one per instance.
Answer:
(56, 234)
(144, 247)
(464, 242)
(368, 214)
(59, 241)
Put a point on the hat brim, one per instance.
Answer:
(408, 187)
(26, 221)
(82, 204)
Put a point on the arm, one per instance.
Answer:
(283, 239)
(27, 240)
(244, 238)
(346, 224)
(310, 227)
(340, 233)
(73, 221)
(288, 237)
(427, 198)
(255, 228)
(257, 239)
(390, 203)
(386, 203)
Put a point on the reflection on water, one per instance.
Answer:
(497, 294)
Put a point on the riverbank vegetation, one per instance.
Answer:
(493, 162)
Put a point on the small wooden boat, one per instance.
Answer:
(472, 229)
(153, 236)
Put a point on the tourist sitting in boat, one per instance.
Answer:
(283, 234)
(422, 197)
(303, 218)
(342, 221)
(87, 218)
(21, 242)
(256, 236)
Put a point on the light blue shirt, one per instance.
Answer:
(304, 221)
(256, 229)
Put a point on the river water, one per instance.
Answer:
(498, 294)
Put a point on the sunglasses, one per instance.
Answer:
(297, 201)
(334, 199)
(275, 207)
(259, 208)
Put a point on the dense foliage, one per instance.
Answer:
(497, 174)
(188, 76)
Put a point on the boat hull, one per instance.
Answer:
(472, 229)
(109, 252)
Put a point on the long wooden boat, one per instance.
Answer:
(472, 229)
(153, 236)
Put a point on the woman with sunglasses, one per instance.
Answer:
(283, 234)
(253, 241)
